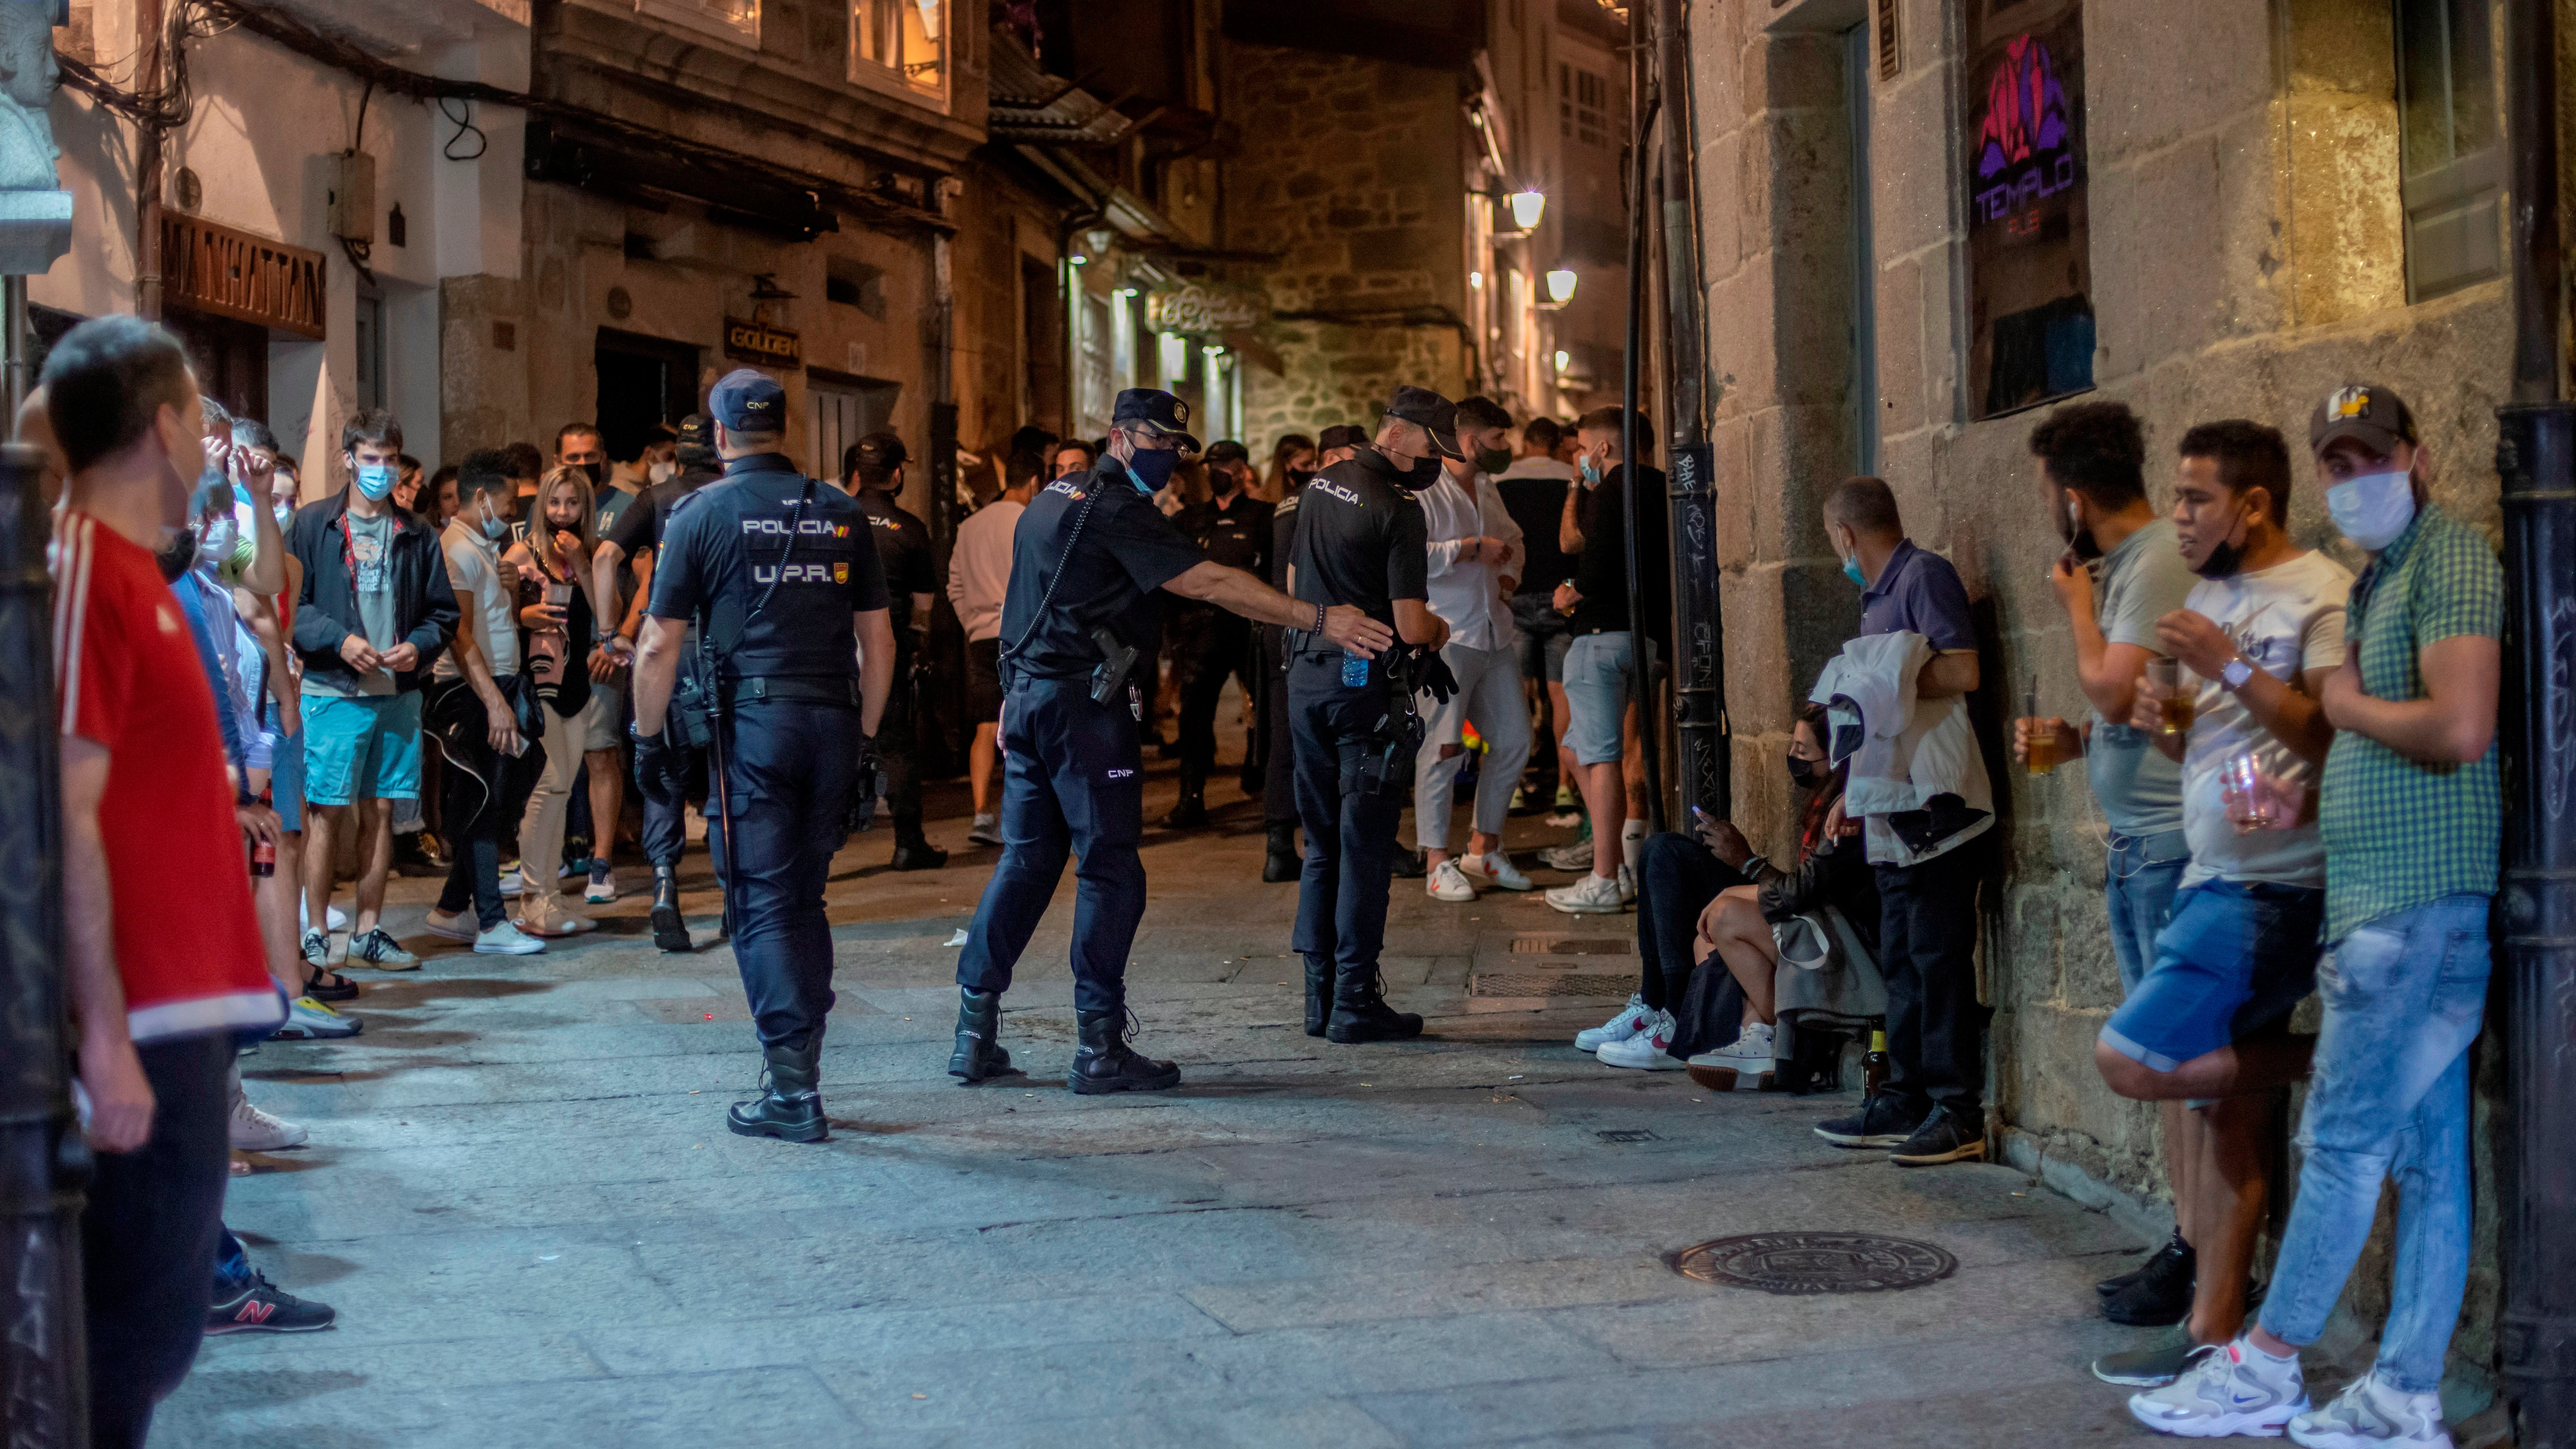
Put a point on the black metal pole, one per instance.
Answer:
(1631, 475)
(1706, 753)
(2536, 457)
(44, 1165)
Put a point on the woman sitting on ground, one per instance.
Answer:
(1709, 897)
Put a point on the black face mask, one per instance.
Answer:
(1222, 483)
(1426, 471)
(1300, 477)
(2225, 561)
(1802, 773)
(598, 473)
(174, 556)
(1493, 460)
(2079, 541)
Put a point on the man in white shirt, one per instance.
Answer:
(1475, 564)
(979, 574)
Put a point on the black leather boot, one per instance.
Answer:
(979, 1051)
(788, 1106)
(1360, 1012)
(1105, 1063)
(1283, 863)
(1319, 994)
(913, 850)
(1191, 812)
(669, 931)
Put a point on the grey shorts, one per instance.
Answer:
(603, 720)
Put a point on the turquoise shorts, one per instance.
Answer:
(361, 748)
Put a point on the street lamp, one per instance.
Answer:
(1560, 285)
(1564, 360)
(1526, 207)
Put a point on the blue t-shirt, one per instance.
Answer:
(1919, 591)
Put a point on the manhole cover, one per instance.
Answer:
(1570, 946)
(1805, 1263)
(1551, 983)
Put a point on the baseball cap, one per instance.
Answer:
(2367, 413)
(1340, 435)
(748, 401)
(1152, 410)
(1435, 414)
(879, 450)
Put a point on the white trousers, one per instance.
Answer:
(541, 831)
(1489, 696)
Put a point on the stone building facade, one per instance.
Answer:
(2256, 238)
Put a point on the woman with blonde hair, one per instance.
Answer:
(557, 619)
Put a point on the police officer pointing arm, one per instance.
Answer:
(783, 580)
(1090, 560)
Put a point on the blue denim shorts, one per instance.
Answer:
(2235, 958)
(2138, 885)
(1596, 696)
(366, 747)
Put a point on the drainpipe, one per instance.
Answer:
(2536, 456)
(1640, 680)
(1706, 762)
(44, 1165)
(148, 30)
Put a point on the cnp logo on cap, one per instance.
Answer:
(747, 401)
(1152, 410)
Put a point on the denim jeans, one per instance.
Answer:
(1676, 879)
(2138, 885)
(2390, 1097)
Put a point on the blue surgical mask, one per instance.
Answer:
(495, 527)
(1591, 474)
(1851, 571)
(1151, 468)
(375, 479)
(2372, 510)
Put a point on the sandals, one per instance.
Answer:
(324, 984)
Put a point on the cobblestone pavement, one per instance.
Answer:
(522, 1198)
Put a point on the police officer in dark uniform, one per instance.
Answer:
(1360, 540)
(784, 584)
(681, 772)
(1080, 626)
(1210, 645)
(872, 467)
(1281, 861)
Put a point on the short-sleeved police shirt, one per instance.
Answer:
(731, 544)
(640, 525)
(903, 546)
(1126, 551)
(1361, 537)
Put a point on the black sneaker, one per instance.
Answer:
(2176, 1247)
(1884, 1120)
(1409, 866)
(2160, 1295)
(2151, 1367)
(919, 855)
(261, 1308)
(1944, 1137)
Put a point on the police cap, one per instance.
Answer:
(1433, 413)
(746, 400)
(1152, 410)
(882, 451)
(1340, 435)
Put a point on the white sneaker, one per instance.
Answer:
(513, 882)
(507, 940)
(603, 887)
(309, 1020)
(1647, 1050)
(987, 830)
(1564, 819)
(2238, 1390)
(1447, 883)
(252, 1130)
(457, 927)
(1632, 1019)
(1742, 1065)
(1573, 855)
(1594, 895)
(1493, 868)
(1627, 886)
(2370, 1413)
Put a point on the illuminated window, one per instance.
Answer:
(737, 20)
(1583, 106)
(901, 42)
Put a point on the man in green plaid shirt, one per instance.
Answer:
(2410, 811)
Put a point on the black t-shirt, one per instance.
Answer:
(1601, 570)
(903, 546)
(1538, 506)
(728, 547)
(1360, 537)
(1127, 551)
(639, 529)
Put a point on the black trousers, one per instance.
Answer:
(899, 743)
(1927, 949)
(1350, 829)
(668, 780)
(148, 1240)
(1676, 879)
(1279, 748)
(789, 768)
(1207, 652)
(483, 796)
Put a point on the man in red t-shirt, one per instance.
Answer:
(164, 952)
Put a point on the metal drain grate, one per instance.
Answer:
(1571, 946)
(1800, 1264)
(1627, 1134)
(1551, 983)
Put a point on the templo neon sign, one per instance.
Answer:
(2023, 142)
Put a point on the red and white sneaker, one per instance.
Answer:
(1632, 1019)
(1649, 1050)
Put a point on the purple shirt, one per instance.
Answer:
(1919, 591)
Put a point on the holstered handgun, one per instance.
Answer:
(1117, 656)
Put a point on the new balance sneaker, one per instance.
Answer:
(2154, 1366)
(1884, 1120)
(2369, 1414)
(1742, 1065)
(603, 884)
(1573, 855)
(251, 1130)
(987, 830)
(1447, 883)
(1495, 869)
(506, 940)
(451, 926)
(261, 1308)
(309, 1020)
(379, 949)
(1649, 1050)
(317, 948)
(1945, 1136)
(2236, 1389)
(1632, 1019)
(1594, 895)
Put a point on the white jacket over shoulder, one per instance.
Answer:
(1917, 779)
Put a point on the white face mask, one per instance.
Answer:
(2373, 509)
(218, 538)
(661, 472)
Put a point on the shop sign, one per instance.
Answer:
(1199, 307)
(761, 343)
(2029, 262)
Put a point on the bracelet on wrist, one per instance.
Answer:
(1319, 618)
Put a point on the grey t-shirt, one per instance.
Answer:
(371, 554)
(2143, 579)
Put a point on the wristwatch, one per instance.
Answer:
(2236, 673)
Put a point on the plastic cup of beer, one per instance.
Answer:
(2042, 746)
(2248, 797)
(2166, 676)
(559, 595)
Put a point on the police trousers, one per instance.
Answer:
(1350, 828)
(1071, 781)
(1278, 749)
(789, 767)
(898, 742)
(1206, 654)
(668, 779)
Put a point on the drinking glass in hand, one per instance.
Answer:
(2251, 802)
(2176, 704)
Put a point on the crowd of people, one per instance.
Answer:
(439, 673)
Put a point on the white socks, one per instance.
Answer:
(1632, 838)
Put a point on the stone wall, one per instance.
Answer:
(2244, 262)
(1349, 169)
